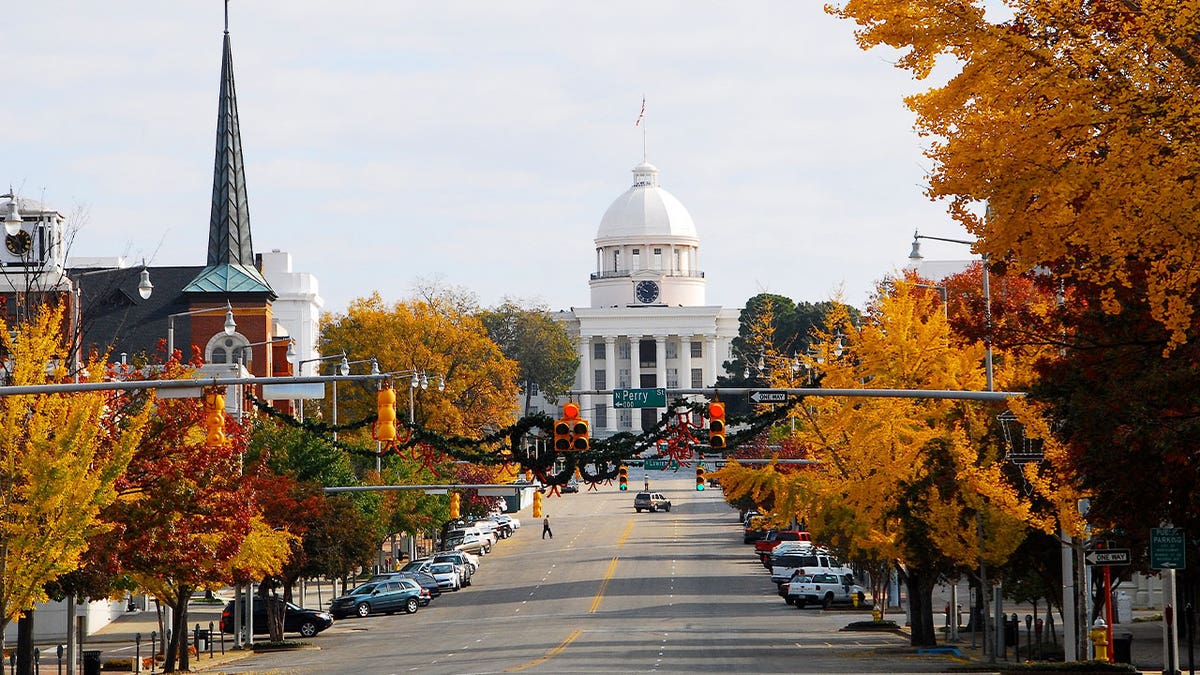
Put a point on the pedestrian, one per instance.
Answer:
(546, 527)
(646, 482)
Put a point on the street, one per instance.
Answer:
(613, 590)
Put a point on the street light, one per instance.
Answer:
(299, 372)
(12, 214)
(291, 350)
(230, 324)
(915, 257)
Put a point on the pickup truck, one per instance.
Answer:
(826, 589)
(764, 546)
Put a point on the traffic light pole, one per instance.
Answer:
(817, 391)
(190, 383)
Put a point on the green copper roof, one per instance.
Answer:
(229, 279)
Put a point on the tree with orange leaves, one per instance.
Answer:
(1074, 123)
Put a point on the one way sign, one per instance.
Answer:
(769, 396)
(1105, 557)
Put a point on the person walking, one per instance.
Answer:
(546, 527)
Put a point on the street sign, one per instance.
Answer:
(1105, 557)
(640, 398)
(769, 396)
(1167, 549)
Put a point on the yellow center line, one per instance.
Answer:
(625, 534)
(548, 655)
(612, 567)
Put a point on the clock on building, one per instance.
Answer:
(19, 243)
(646, 292)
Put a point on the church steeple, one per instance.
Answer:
(230, 266)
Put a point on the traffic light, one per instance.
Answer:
(562, 435)
(579, 435)
(623, 478)
(455, 506)
(214, 419)
(568, 425)
(528, 476)
(700, 478)
(537, 504)
(385, 423)
(716, 425)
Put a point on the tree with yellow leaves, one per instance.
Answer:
(913, 480)
(60, 455)
(1075, 123)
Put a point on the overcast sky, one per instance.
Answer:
(473, 143)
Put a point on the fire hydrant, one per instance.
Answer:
(1099, 637)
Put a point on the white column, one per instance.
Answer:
(660, 363)
(585, 374)
(710, 360)
(610, 369)
(635, 361)
(685, 361)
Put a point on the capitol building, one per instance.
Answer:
(648, 324)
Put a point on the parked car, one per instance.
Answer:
(389, 597)
(754, 529)
(651, 501)
(808, 561)
(826, 589)
(466, 540)
(446, 574)
(503, 529)
(423, 579)
(773, 538)
(306, 622)
(514, 524)
(571, 486)
(469, 563)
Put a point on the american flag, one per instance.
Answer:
(641, 114)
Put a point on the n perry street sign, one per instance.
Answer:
(769, 396)
(1104, 557)
(1167, 549)
(640, 398)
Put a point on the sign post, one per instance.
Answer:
(1167, 553)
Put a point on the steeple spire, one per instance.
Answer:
(230, 265)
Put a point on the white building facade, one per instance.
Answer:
(648, 325)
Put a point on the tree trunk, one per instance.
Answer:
(920, 604)
(275, 609)
(177, 648)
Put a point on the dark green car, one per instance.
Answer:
(387, 597)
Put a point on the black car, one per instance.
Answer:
(306, 622)
(423, 580)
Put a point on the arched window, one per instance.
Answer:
(224, 348)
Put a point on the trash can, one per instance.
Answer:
(91, 662)
(1122, 648)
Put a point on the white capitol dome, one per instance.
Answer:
(646, 210)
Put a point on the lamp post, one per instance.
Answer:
(12, 214)
(145, 290)
(915, 257)
(230, 324)
(344, 364)
(291, 350)
(344, 369)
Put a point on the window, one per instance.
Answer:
(625, 419)
(600, 414)
(534, 388)
(672, 378)
(218, 356)
(697, 350)
(623, 377)
(636, 261)
(616, 260)
(598, 351)
(658, 258)
(600, 379)
(672, 350)
(623, 350)
(697, 378)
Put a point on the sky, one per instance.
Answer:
(474, 144)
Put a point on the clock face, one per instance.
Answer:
(19, 243)
(646, 291)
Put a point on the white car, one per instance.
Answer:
(513, 523)
(447, 576)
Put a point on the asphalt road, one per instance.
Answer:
(613, 591)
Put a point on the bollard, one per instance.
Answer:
(1029, 636)
(60, 658)
(37, 661)
(210, 639)
(137, 652)
(1037, 635)
(153, 650)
